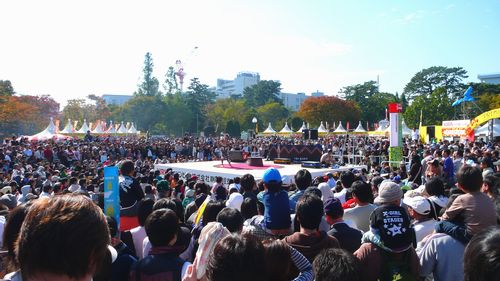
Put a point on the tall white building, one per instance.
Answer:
(228, 88)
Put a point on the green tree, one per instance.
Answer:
(424, 82)
(6, 88)
(198, 97)
(146, 112)
(77, 109)
(170, 84)
(435, 108)
(265, 91)
(149, 85)
(178, 114)
(101, 108)
(233, 128)
(274, 112)
(371, 102)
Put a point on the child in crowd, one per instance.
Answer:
(470, 212)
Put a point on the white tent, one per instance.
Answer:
(112, 129)
(132, 129)
(98, 128)
(269, 130)
(84, 128)
(383, 124)
(68, 129)
(48, 133)
(340, 128)
(302, 128)
(406, 131)
(483, 130)
(286, 129)
(322, 129)
(360, 128)
(122, 129)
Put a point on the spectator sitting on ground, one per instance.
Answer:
(349, 238)
(309, 241)
(162, 228)
(303, 180)
(81, 232)
(482, 255)
(363, 198)
(336, 265)
(419, 209)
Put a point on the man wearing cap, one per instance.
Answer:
(419, 209)
(389, 240)
(349, 238)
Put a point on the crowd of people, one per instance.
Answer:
(434, 216)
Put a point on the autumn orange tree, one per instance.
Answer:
(328, 109)
(24, 114)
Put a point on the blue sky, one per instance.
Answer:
(71, 50)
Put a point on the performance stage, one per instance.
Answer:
(208, 170)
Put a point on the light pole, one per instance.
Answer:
(254, 120)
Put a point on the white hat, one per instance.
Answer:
(235, 200)
(419, 204)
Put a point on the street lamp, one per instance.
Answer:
(254, 120)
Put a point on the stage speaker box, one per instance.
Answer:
(305, 134)
(431, 131)
(313, 134)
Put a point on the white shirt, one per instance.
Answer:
(422, 229)
(360, 215)
(138, 235)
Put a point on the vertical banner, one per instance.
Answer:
(111, 193)
(396, 133)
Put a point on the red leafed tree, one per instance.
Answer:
(329, 109)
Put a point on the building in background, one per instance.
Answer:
(116, 99)
(489, 78)
(294, 101)
(228, 88)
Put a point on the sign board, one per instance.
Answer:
(111, 193)
(395, 155)
(454, 128)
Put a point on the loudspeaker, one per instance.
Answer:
(431, 131)
(313, 134)
(305, 134)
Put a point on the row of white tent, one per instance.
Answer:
(383, 129)
(100, 128)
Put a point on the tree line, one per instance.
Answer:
(165, 110)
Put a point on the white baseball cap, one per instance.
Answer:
(419, 204)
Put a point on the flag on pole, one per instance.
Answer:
(420, 124)
(367, 126)
(348, 126)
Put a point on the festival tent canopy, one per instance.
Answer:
(122, 129)
(98, 128)
(322, 129)
(48, 133)
(112, 129)
(483, 130)
(84, 128)
(68, 129)
(383, 125)
(360, 128)
(132, 129)
(340, 128)
(304, 127)
(406, 131)
(269, 130)
(286, 129)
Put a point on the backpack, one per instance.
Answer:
(396, 269)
